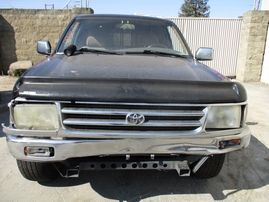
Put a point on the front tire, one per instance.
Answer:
(211, 167)
(41, 172)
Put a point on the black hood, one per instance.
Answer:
(151, 67)
(127, 78)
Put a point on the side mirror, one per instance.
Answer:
(204, 54)
(43, 47)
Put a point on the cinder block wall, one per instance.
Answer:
(7, 45)
(252, 46)
(20, 29)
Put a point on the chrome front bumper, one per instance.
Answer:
(205, 144)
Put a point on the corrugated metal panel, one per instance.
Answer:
(223, 35)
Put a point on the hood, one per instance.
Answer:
(126, 78)
(93, 66)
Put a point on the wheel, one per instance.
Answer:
(41, 172)
(211, 167)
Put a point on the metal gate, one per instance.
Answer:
(223, 35)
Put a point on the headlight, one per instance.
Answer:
(224, 117)
(36, 117)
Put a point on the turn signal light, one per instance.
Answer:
(237, 141)
(229, 143)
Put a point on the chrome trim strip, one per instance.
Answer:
(147, 112)
(108, 122)
(126, 134)
(198, 133)
(36, 133)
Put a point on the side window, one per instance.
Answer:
(177, 42)
(69, 37)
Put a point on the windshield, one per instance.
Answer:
(125, 36)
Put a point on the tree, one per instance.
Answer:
(194, 8)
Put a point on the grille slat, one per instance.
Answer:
(105, 122)
(70, 110)
(106, 117)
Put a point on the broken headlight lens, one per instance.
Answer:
(224, 117)
(36, 117)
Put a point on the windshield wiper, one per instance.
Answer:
(72, 49)
(155, 52)
(92, 50)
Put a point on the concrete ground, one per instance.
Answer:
(244, 176)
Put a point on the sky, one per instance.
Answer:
(164, 8)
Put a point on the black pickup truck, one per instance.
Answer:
(124, 92)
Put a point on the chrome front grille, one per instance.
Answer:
(89, 117)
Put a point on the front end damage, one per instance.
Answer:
(97, 136)
(156, 128)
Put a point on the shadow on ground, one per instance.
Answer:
(5, 96)
(4, 111)
(246, 169)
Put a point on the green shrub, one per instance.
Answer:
(19, 72)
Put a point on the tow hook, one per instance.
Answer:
(68, 172)
(199, 164)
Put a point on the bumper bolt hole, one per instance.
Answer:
(144, 165)
(134, 165)
(155, 165)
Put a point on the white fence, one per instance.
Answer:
(223, 35)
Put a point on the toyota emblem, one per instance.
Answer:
(135, 119)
